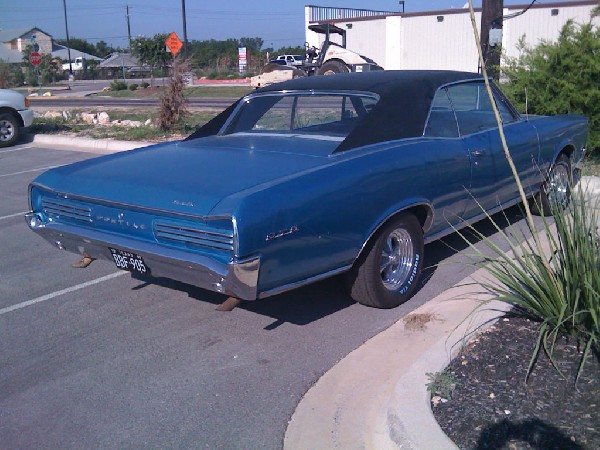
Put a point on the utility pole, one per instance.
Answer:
(491, 20)
(68, 43)
(128, 26)
(185, 41)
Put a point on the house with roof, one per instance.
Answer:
(13, 43)
(19, 38)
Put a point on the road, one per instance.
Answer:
(113, 102)
(92, 358)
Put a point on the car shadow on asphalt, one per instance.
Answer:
(313, 302)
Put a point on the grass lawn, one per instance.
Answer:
(190, 92)
(60, 125)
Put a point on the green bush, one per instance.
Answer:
(560, 77)
(118, 85)
(133, 87)
(144, 85)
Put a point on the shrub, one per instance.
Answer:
(144, 85)
(172, 101)
(560, 77)
(118, 85)
(133, 87)
(562, 294)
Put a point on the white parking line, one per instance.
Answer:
(29, 171)
(15, 149)
(62, 292)
(14, 215)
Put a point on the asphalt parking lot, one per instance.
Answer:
(92, 358)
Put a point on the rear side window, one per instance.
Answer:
(473, 109)
(325, 114)
(442, 120)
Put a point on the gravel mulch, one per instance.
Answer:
(493, 408)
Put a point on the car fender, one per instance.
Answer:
(558, 134)
(420, 207)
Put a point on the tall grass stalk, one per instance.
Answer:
(561, 290)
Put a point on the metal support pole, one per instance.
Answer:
(68, 43)
(185, 40)
(128, 26)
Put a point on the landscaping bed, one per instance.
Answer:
(491, 406)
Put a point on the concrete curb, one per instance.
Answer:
(376, 397)
(590, 185)
(100, 146)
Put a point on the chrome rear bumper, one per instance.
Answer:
(235, 278)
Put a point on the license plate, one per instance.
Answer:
(129, 261)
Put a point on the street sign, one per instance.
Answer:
(35, 58)
(173, 43)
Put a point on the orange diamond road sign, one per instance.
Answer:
(173, 43)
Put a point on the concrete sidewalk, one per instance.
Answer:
(100, 146)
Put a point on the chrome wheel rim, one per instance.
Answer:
(7, 130)
(397, 257)
(557, 189)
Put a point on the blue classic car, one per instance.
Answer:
(311, 178)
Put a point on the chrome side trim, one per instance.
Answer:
(237, 278)
(297, 284)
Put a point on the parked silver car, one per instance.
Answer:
(14, 114)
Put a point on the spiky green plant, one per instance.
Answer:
(563, 293)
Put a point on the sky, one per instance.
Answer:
(280, 23)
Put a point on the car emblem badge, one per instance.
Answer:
(282, 233)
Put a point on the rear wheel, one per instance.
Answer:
(333, 67)
(9, 129)
(388, 271)
(556, 190)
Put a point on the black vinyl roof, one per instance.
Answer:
(405, 100)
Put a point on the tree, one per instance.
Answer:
(103, 49)
(79, 44)
(560, 77)
(11, 75)
(151, 51)
(172, 101)
(45, 72)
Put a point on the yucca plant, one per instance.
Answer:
(562, 292)
(560, 288)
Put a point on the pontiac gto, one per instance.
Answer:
(310, 178)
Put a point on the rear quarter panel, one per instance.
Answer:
(557, 133)
(326, 214)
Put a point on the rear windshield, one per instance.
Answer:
(316, 114)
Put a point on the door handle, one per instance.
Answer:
(477, 153)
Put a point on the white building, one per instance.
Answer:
(441, 39)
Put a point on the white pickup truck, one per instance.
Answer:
(77, 64)
(14, 114)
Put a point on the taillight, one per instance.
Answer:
(26, 102)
